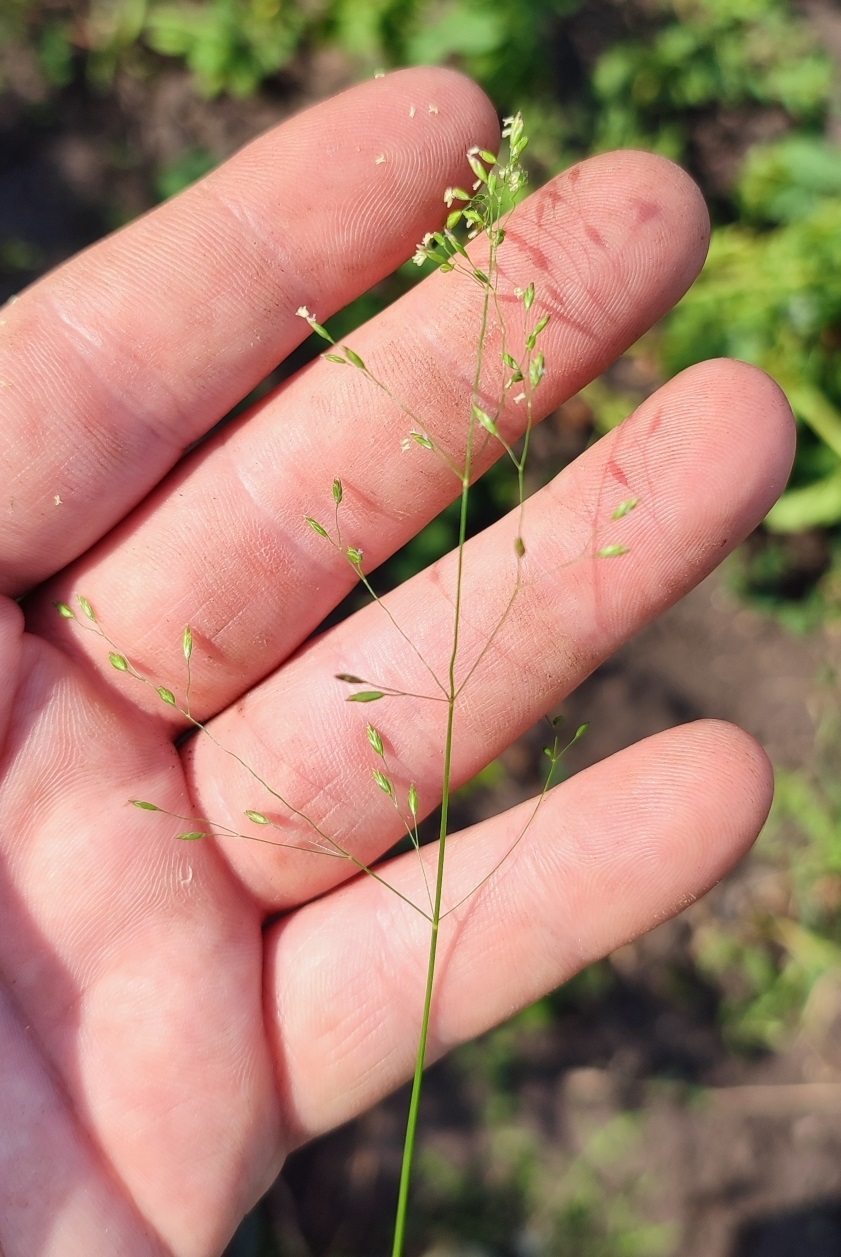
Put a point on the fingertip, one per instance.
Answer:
(743, 774)
(676, 186)
(695, 797)
(441, 86)
(754, 409)
(768, 398)
(658, 209)
(424, 106)
(662, 178)
(622, 236)
(439, 114)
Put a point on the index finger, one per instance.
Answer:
(117, 362)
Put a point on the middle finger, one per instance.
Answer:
(224, 545)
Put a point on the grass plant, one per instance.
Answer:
(476, 214)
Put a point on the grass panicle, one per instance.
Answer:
(481, 210)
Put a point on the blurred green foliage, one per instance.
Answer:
(235, 46)
(706, 54)
(653, 65)
(778, 968)
(514, 1195)
(796, 577)
(637, 73)
(771, 295)
(229, 45)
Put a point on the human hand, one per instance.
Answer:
(175, 1018)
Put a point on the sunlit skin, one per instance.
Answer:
(176, 1017)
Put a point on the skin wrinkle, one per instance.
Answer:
(211, 619)
(393, 182)
(433, 392)
(359, 226)
(298, 787)
(538, 589)
(96, 452)
(70, 1106)
(251, 479)
(265, 557)
(331, 1026)
(452, 376)
(72, 946)
(11, 640)
(261, 261)
(297, 466)
(230, 1168)
(588, 267)
(69, 709)
(554, 297)
(650, 505)
(321, 802)
(80, 336)
(109, 438)
(533, 595)
(254, 259)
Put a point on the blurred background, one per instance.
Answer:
(683, 1096)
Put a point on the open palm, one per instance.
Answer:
(175, 1017)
